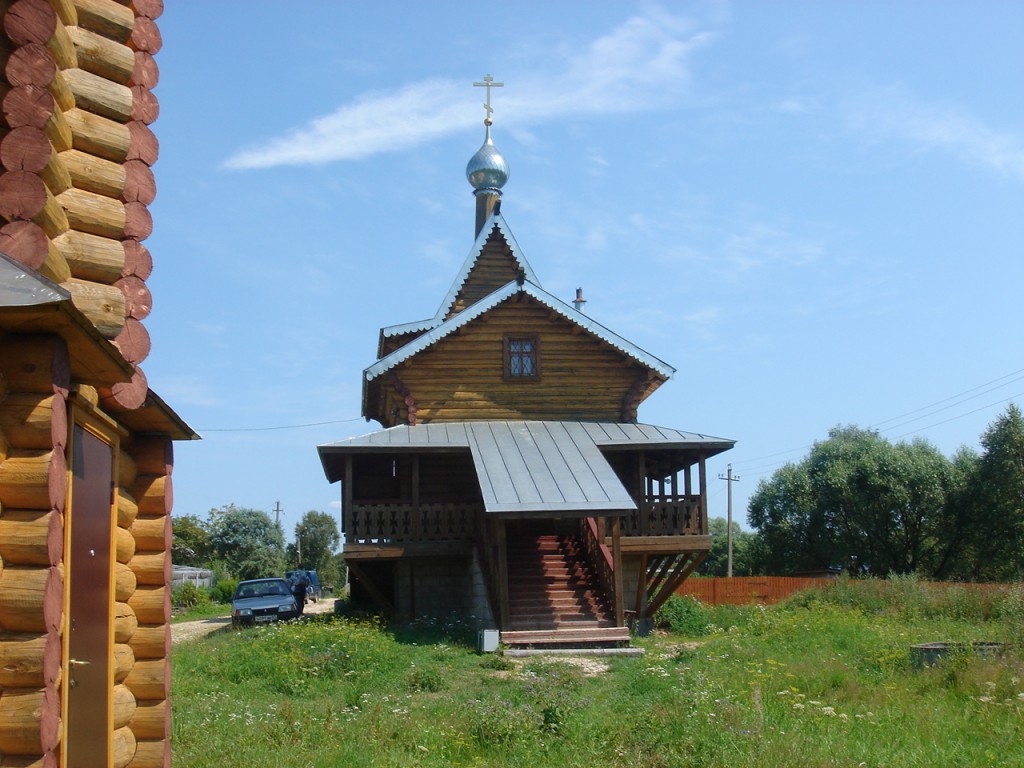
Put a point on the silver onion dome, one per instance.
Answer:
(487, 169)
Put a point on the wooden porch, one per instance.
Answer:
(402, 508)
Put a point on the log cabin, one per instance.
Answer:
(512, 484)
(85, 445)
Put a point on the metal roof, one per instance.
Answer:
(495, 220)
(474, 311)
(31, 303)
(527, 467)
(21, 287)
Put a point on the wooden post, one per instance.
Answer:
(688, 492)
(617, 570)
(644, 501)
(641, 588)
(501, 543)
(417, 513)
(702, 523)
(346, 499)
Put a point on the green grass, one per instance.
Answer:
(201, 611)
(824, 680)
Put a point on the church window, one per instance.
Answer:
(522, 357)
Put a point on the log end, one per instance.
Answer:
(25, 242)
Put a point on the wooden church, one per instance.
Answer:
(512, 483)
(85, 445)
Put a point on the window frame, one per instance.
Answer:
(534, 355)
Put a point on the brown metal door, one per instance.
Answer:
(90, 679)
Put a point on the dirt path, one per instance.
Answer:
(192, 630)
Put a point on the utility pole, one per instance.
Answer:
(728, 477)
(277, 513)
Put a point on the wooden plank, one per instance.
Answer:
(664, 544)
(407, 549)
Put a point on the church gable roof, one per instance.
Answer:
(570, 313)
(494, 260)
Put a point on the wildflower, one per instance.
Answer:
(828, 711)
(783, 693)
(798, 705)
(986, 699)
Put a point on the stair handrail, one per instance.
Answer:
(599, 555)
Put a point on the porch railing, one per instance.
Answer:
(392, 522)
(667, 515)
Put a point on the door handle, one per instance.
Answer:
(72, 663)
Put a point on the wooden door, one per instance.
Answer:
(89, 676)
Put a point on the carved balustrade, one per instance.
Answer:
(667, 515)
(393, 522)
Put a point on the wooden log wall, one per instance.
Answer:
(461, 377)
(143, 513)
(33, 492)
(76, 151)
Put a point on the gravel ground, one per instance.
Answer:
(192, 630)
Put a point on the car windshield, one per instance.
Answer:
(264, 589)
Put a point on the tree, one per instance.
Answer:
(191, 543)
(333, 574)
(717, 561)
(316, 538)
(857, 498)
(999, 493)
(248, 541)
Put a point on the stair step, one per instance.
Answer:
(567, 636)
(552, 592)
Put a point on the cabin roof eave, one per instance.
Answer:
(530, 467)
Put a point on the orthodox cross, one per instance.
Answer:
(488, 83)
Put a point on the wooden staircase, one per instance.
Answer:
(554, 603)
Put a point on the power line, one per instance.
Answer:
(954, 418)
(286, 426)
(1018, 374)
(1014, 376)
(762, 469)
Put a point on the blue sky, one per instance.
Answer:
(814, 211)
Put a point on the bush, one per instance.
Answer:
(223, 590)
(1011, 611)
(188, 595)
(684, 616)
(426, 680)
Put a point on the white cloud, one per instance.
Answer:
(893, 114)
(376, 122)
(759, 245)
(640, 65)
(793, 106)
